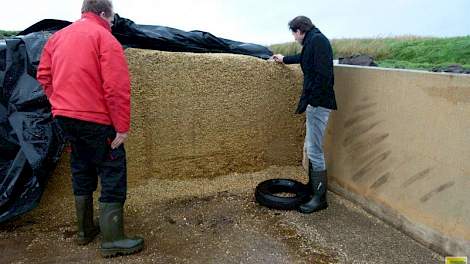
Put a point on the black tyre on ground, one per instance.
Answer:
(266, 191)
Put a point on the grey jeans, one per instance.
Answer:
(317, 120)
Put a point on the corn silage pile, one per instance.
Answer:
(204, 115)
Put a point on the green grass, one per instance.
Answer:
(410, 52)
(289, 48)
(5, 33)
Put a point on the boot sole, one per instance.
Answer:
(86, 241)
(114, 252)
(323, 207)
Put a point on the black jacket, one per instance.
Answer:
(316, 61)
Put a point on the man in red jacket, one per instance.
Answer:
(85, 76)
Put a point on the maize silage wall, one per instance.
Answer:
(204, 115)
(400, 146)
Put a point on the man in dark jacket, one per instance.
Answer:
(85, 76)
(317, 100)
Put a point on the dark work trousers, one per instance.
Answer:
(92, 156)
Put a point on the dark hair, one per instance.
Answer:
(98, 6)
(302, 23)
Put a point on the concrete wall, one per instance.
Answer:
(400, 146)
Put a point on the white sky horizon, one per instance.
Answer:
(265, 21)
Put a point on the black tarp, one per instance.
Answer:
(362, 60)
(30, 142)
(455, 68)
(164, 38)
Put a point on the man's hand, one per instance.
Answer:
(279, 58)
(120, 138)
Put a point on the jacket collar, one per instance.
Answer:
(97, 19)
(308, 34)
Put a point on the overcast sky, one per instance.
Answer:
(265, 21)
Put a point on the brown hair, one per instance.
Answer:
(98, 6)
(301, 23)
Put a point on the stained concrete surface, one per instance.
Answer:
(223, 224)
(400, 142)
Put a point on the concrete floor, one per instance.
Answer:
(222, 225)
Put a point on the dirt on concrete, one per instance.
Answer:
(216, 220)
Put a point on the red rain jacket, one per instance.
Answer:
(84, 73)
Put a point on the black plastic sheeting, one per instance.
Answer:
(30, 142)
(164, 38)
(362, 60)
(455, 68)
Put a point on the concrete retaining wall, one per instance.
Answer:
(400, 146)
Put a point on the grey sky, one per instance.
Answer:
(265, 21)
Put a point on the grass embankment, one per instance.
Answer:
(399, 52)
(6, 33)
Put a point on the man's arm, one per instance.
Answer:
(116, 86)
(44, 75)
(295, 59)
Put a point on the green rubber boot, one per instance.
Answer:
(87, 230)
(115, 242)
(318, 186)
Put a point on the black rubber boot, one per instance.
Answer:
(318, 185)
(87, 230)
(114, 241)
